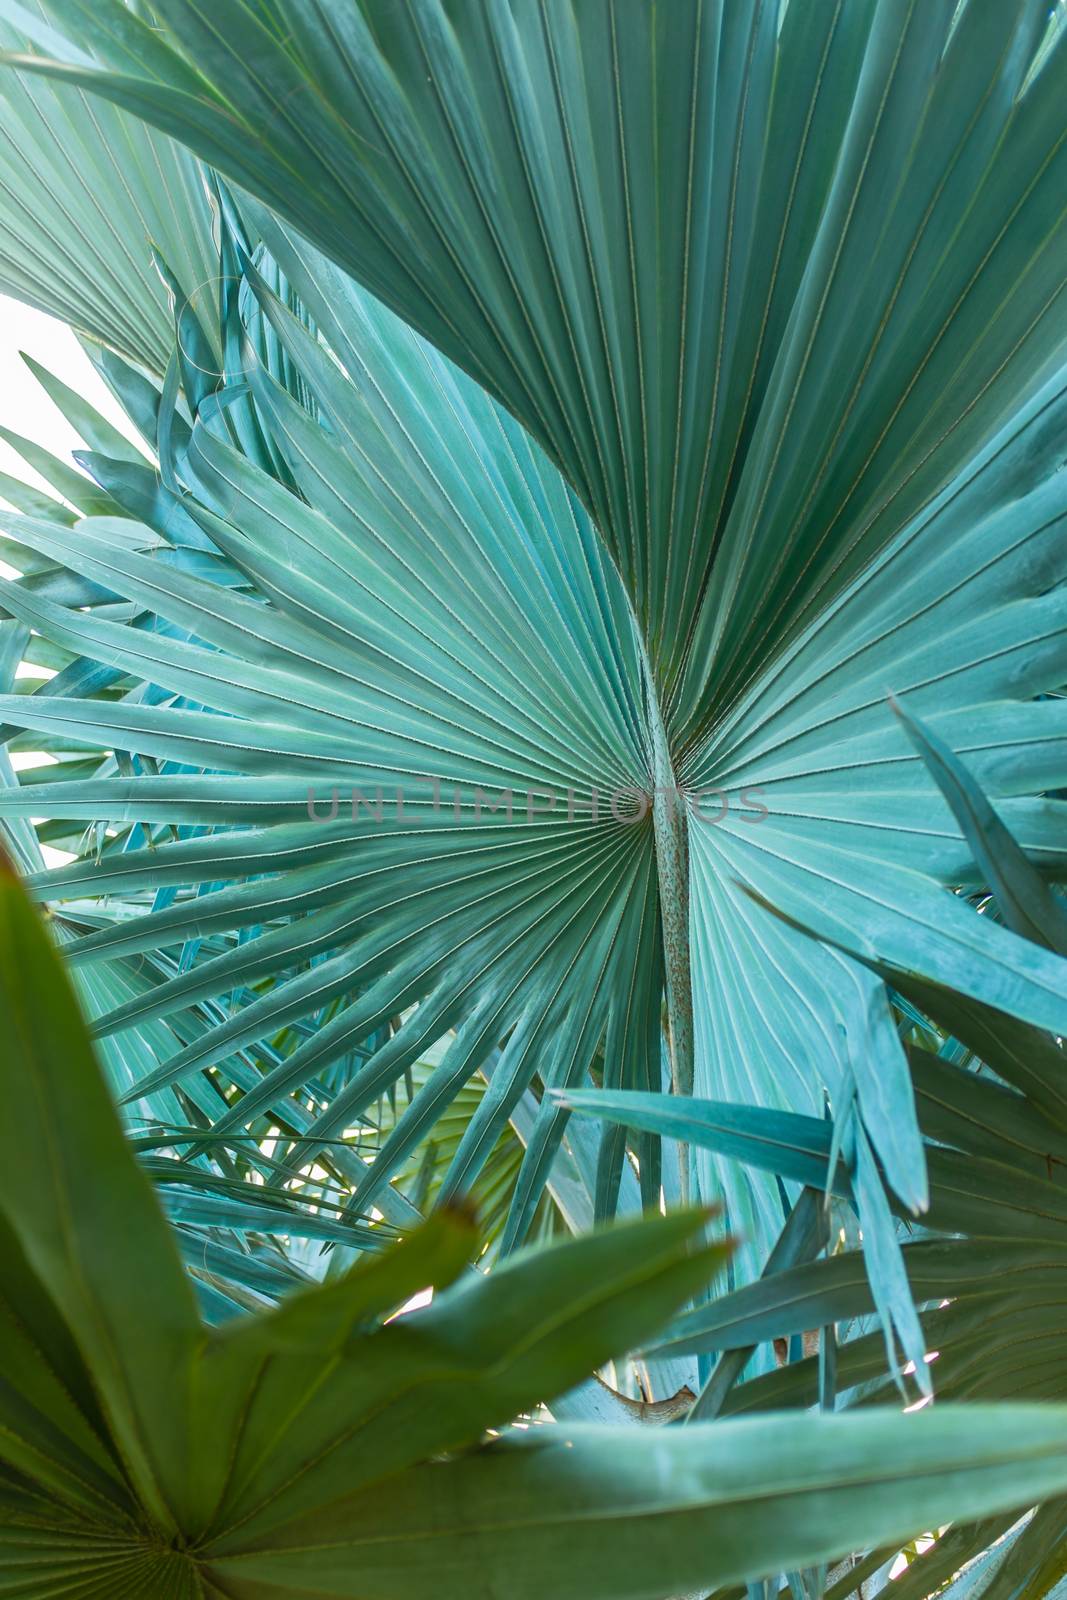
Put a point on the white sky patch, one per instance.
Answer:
(26, 409)
(24, 406)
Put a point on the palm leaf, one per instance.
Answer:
(435, 699)
(862, 368)
(85, 193)
(144, 1450)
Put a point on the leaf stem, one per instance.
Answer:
(671, 828)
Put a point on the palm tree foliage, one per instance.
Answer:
(143, 1452)
(988, 1267)
(112, 186)
(300, 1449)
(611, 406)
(832, 477)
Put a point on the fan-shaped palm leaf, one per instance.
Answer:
(812, 408)
(86, 192)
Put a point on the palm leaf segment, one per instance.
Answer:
(812, 408)
(333, 1448)
(519, 693)
(988, 1267)
(86, 192)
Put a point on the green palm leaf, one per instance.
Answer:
(811, 410)
(988, 1268)
(507, 629)
(85, 194)
(488, 932)
(142, 1452)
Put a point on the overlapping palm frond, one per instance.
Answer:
(420, 753)
(340, 1444)
(568, 425)
(87, 194)
(807, 414)
(988, 1268)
